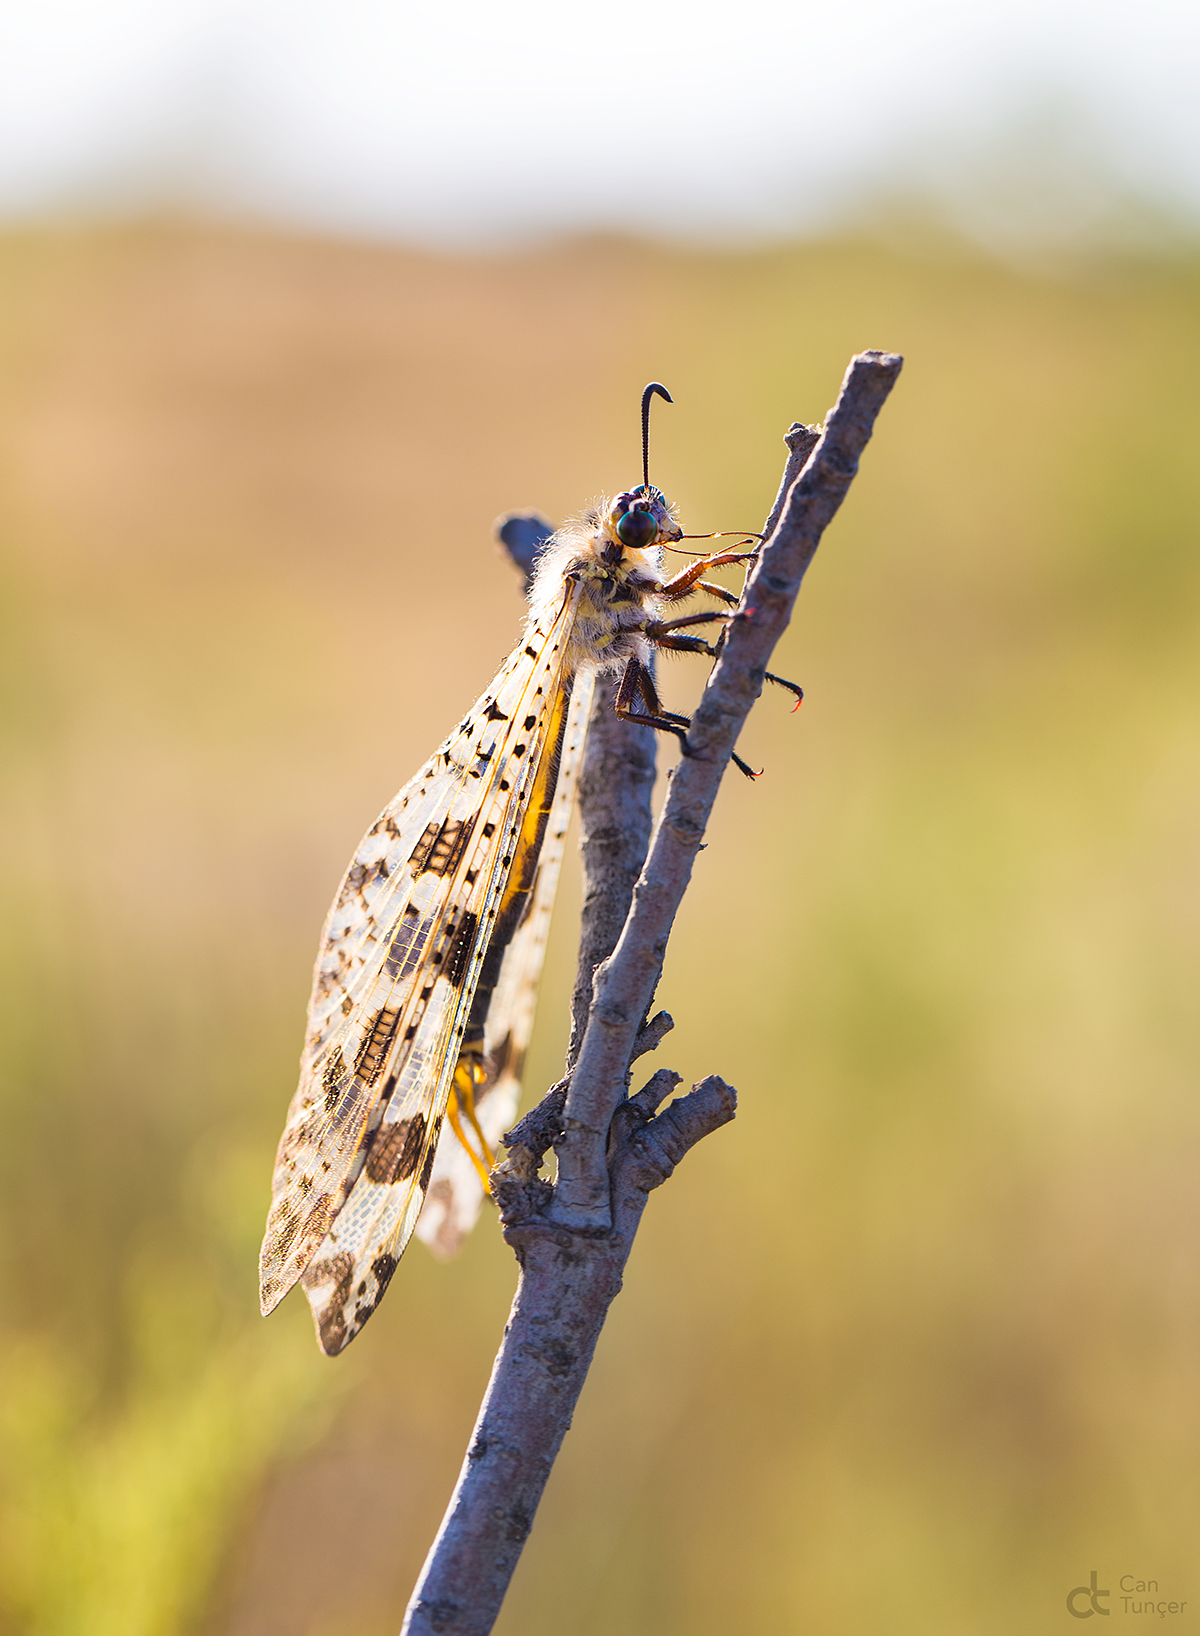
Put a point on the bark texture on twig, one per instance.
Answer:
(572, 1238)
(626, 983)
(567, 1284)
(616, 782)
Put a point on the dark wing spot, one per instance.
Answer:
(405, 936)
(374, 1049)
(383, 1267)
(283, 1232)
(335, 1076)
(395, 1150)
(460, 949)
(331, 1323)
(494, 712)
(320, 1217)
(331, 1328)
(441, 846)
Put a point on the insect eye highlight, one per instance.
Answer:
(637, 530)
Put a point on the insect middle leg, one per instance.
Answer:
(660, 631)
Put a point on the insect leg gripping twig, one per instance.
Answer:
(572, 1237)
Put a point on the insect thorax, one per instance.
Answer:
(618, 585)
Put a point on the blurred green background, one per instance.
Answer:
(913, 1346)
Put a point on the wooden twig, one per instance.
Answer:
(616, 782)
(572, 1238)
(625, 984)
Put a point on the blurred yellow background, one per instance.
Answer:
(913, 1345)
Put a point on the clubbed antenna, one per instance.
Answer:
(660, 389)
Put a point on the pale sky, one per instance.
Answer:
(476, 123)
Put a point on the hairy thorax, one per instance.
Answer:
(617, 588)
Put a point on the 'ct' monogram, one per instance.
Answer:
(1092, 1594)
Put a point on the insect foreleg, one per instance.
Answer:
(686, 580)
(731, 597)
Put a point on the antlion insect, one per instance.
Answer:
(425, 984)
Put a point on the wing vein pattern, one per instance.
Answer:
(450, 867)
(455, 1193)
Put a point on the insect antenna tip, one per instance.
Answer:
(654, 389)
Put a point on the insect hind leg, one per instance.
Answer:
(468, 1073)
(637, 679)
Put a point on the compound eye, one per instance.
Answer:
(636, 530)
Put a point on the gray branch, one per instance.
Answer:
(566, 1286)
(572, 1238)
(625, 984)
(616, 782)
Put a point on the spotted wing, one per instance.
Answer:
(455, 1193)
(399, 960)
